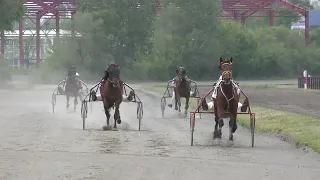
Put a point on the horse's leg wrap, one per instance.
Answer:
(107, 112)
(217, 131)
(117, 116)
(221, 123)
(233, 126)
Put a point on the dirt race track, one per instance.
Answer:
(37, 144)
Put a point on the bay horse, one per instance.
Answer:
(112, 96)
(226, 102)
(182, 89)
(72, 89)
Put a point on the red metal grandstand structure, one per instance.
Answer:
(45, 10)
(247, 8)
(242, 9)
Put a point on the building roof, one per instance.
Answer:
(314, 18)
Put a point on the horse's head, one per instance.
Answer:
(181, 73)
(226, 70)
(114, 75)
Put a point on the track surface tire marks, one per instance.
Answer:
(283, 99)
(37, 144)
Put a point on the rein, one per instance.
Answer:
(225, 96)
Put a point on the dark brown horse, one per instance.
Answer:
(112, 96)
(72, 89)
(226, 102)
(182, 89)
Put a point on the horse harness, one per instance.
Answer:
(219, 85)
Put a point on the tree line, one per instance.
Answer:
(149, 43)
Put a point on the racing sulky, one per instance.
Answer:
(182, 88)
(72, 86)
(225, 97)
(112, 94)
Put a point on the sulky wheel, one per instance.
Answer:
(192, 124)
(84, 111)
(163, 105)
(139, 113)
(53, 102)
(252, 128)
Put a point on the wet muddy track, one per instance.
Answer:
(36, 144)
(283, 99)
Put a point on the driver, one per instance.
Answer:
(97, 97)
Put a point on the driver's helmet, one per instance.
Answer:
(182, 68)
(112, 65)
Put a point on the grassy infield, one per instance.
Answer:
(304, 130)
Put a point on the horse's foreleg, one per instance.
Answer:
(176, 102)
(107, 112)
(217, 132)
(179, 104)
(75, 102)
(186, 106)
(68, 98)
(232, 125)
(117, 118)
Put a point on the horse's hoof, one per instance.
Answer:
(114, 129)
(119, 121)
(176, 108)
(106, 128)
(170, 105)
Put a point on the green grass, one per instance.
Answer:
(302, 129)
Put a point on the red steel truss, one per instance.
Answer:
(44, 10)
(245, 8)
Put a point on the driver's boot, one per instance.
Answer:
(93, 95)
(204, 105)
(131, 96)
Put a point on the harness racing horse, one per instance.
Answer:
(182, 89)
(72, 88)
(112, 96)
(226, 102)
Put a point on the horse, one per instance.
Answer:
(112, 97)
(72, 88)
(226, 102)
(182, 89)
